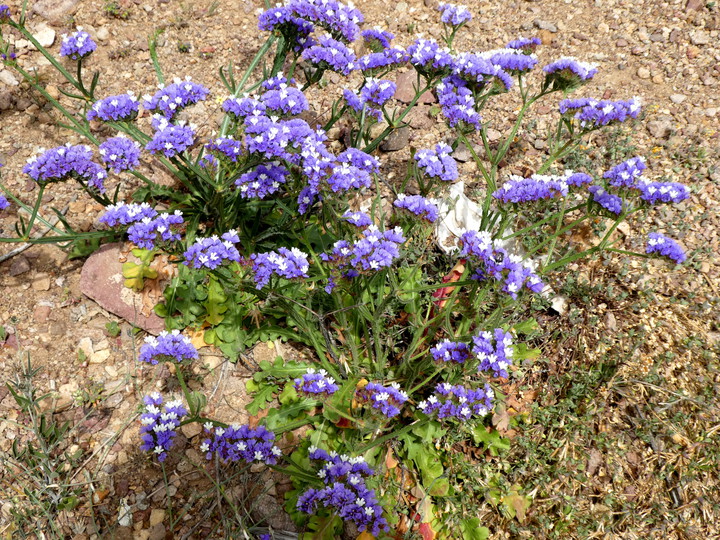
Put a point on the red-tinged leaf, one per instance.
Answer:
(365, 536)
(343, 423)
(426, 531)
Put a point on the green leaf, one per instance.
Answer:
(264, 395)
(521, 352)
(215, 305)
(528, 327)
(471, 530)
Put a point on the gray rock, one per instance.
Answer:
(55, 10)
(397, 140)
(694, 5)
(677, 98)
(20, 265)
(545, 25)
(407, 87)
(643, 73)
(44, 35)
(660, 129)
(8, 78)
(101, 280)
(700, 38)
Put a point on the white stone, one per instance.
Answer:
(8, 78)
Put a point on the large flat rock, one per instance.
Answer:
(101, 280)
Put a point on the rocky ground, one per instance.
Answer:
(665, 52)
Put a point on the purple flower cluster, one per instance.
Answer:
(383, 60)
(569, 72)
(418, 205)
(375, 250)
(512, 60)
(241, 442)
(173, 98)
(3, 202)
(667, 247)
(451, 351)
(212, 252)
(158, 427)
(454, 15)
(294, 29)
(125, 214)
(591, 113)
(345, 176)
(372, 96)
(361, 160)
(627, 173)
(429, 58)
(243, 107)
(663, 192)
(388, 400)
(65, 162)
(458, 104)
(226, 148)
(331, 54)
(146, 232)
(359, 219)
(262, 181)
(77, 45)
(171, 139)
(285, 100)
(167, 346)
(286, 263)
(495, 262)
(478, 71)
(438, 163)
(539, 186)
(458, 402)
(274, 138)
(120, 154)
(377, 39)
(123, 107)
(611, 203)
(345, 492)
(337, 18)
(494, 351)
(316, 383)
(4, 13)
(577, 179)
(525, 44)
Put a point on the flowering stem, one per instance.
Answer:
(478, 161)
(555, 236)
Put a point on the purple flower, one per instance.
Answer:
(171, 139)
(359, 219)
(437, 163)
(494, 351)
(577, 179)
(212, 252)
(284, 100)
(458, 104)
(429, 58)
(627, 173)
(337, 18)
(125, 214)
(173, 98)
(295, 30)
(663, 192)
(375, 250)
(493, 261)
(166, 347)
(146, 232)
(454, 15)
(478, 72)
(539, 186)
(592, 113)
(418, 205)
(458, 402)
(377, 61)
(226, 148)
(363, 161)
(345, 492)
(120, 154)
(262, 181)
(123, 107)
(3, 202)
(667, 247)
(241, 443)
(4, 13)
(388, 400)
(274, 138)
(525, 44)
(451, 351)
(611, 203)
(568, 72)
(244, 107)
(77, 45)
(377, 91)
(286, 263)
(307, 197)
(345, 176)
(158, 428)
(512, 60)
(65, 162)
(331, 54)
(316, 383)
(376, 39)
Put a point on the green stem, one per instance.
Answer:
(555, 236)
